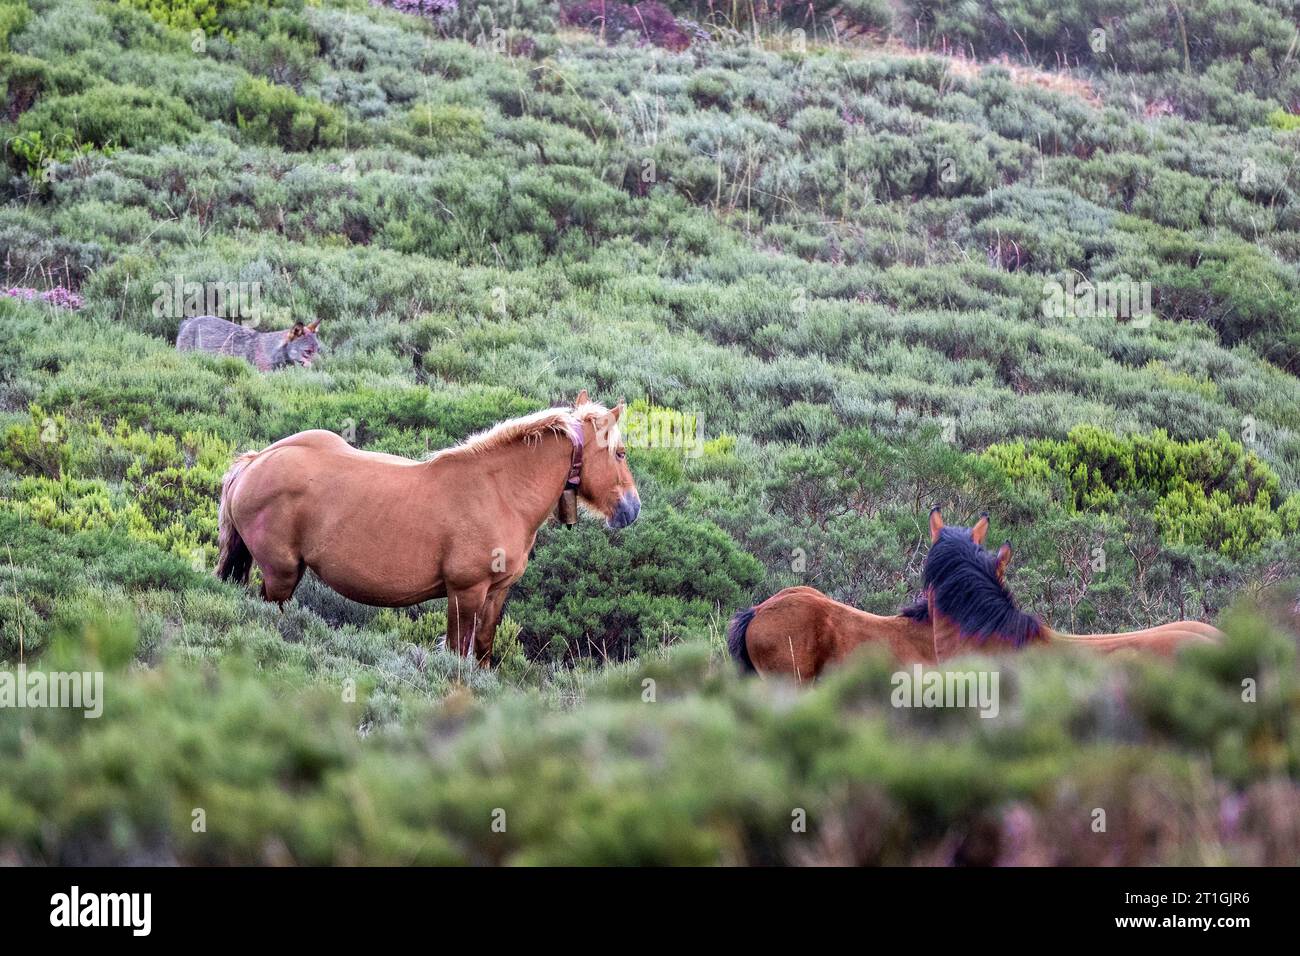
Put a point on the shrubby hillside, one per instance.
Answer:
(872, 248)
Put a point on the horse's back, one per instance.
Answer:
(318, 459)
(318, 439)
(1168, 639)
(290, 464)
(796, 606)
(1163, 639)
(1208, 631)
(331, 445)
(798, 595)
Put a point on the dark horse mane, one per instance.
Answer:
(918, 610)
(963, 576)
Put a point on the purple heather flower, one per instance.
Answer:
(59, 297)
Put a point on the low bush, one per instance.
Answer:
(1211, 492)
(268, 113)
(106, 117)
(187, 15)
(586, 594)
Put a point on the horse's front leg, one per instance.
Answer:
(488, 628)
(465, 617)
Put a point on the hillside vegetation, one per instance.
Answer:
(835, 236)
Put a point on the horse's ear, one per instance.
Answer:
(936, 524)
(981, 528)
(1003, 559)
(605, 423)
(581, 400)
(314, 326)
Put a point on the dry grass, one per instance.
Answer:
(960, 65)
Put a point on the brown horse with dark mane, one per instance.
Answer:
(393, 532)
(965, 607)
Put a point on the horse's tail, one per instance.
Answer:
(235, 560)
(1163, 638)
(736, 631)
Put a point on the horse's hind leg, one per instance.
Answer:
(281, 571)
(280, 583)
(276, 556)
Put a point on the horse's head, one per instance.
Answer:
(300, 344)
(606, 483)
(967, 583)
(996, 560)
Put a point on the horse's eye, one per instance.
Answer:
(621, 454)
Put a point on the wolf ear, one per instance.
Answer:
(294, 332)
(1003, 559)
(314, 326)
(581, 400)
(981, 528)
(936, 524)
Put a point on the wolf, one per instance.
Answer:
(266, 350)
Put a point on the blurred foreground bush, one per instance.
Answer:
(671, 761)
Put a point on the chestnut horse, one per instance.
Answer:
(392, 532)
(965, 606)
(800, 631)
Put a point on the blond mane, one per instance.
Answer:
(526, 428)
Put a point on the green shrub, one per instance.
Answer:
(268, 113)
(14, 15)
(108, 116)
(449, 128)
(189, 15)
(1210, 492)
(168, 488)
(24, 79)
(586, 593)
(1286, 122)
(670, 761)
(873, 14)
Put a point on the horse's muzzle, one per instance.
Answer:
(629, 506)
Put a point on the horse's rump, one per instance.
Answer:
(800, 631)
(736, 639)
(234, 560)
